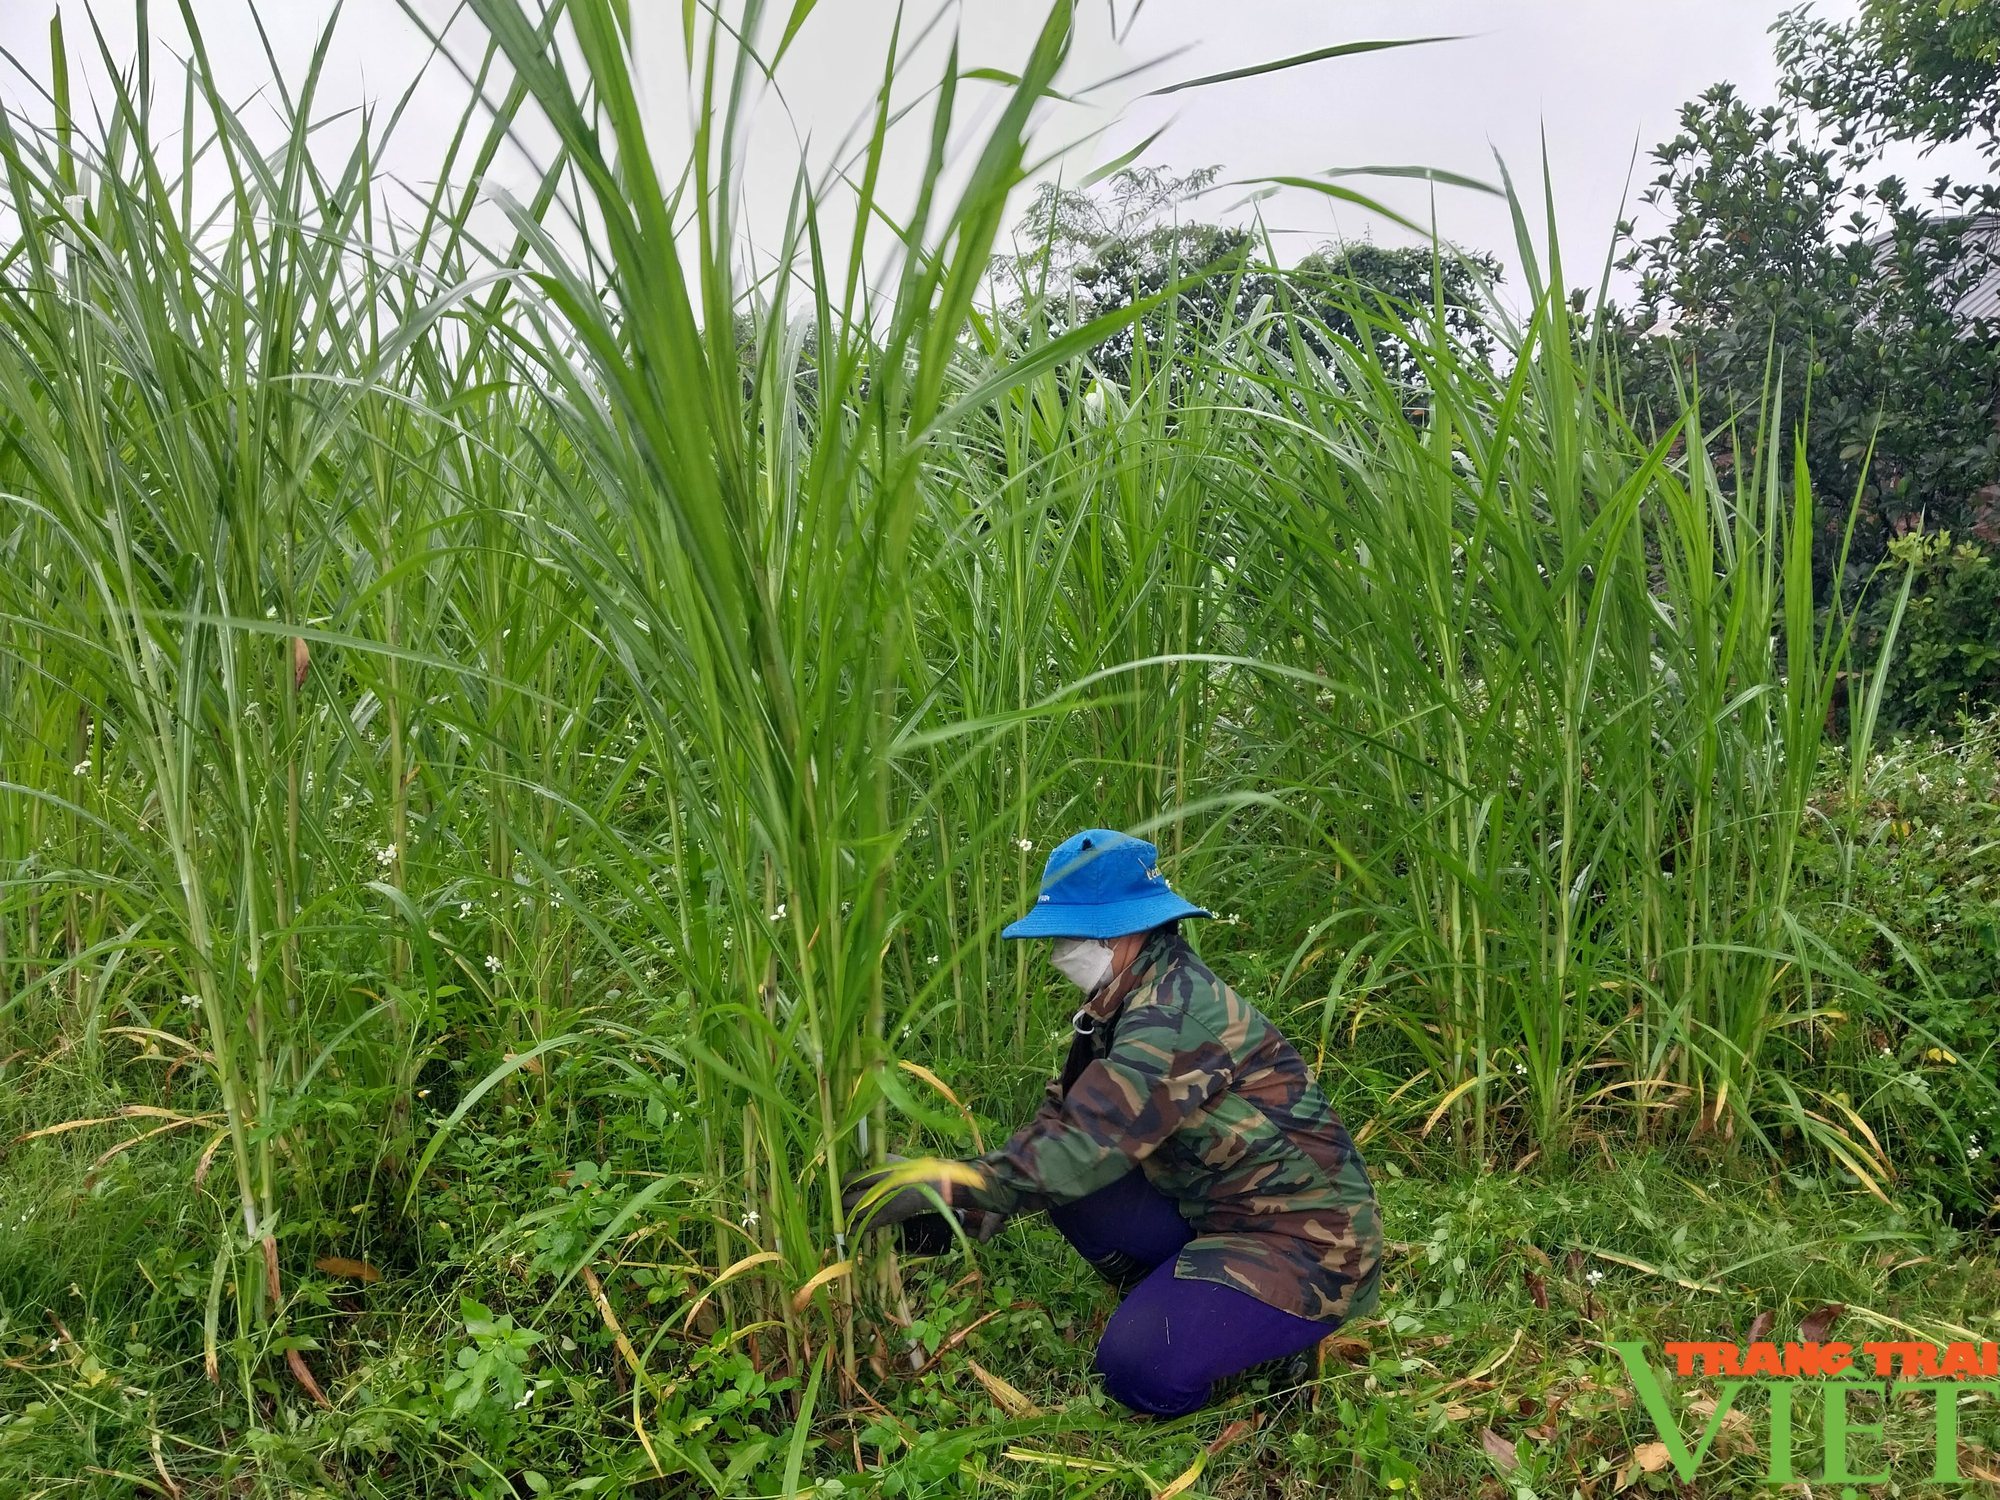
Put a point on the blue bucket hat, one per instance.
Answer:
(1101, 884)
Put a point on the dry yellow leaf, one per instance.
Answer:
(1184, 1479)
(1737, 1435)
(805, 1293)
(1004, 1395)
(353, 1270)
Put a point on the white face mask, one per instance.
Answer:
(1085, 962)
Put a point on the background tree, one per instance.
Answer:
(1781, 256)
(1926, 71)
(1103, 248)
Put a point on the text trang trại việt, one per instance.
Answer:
(1945, 1373)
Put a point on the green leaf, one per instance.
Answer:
(1340, 195)
(891, 1084)
(1421, 174)
(1260, 70)
(1120, 162)
(801, 11)
(801, 1429)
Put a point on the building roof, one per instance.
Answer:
(1980, 302)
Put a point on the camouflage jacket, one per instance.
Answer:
(1208, 1099)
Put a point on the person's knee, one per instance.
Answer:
(1082, 1226)
(1129, 1218)
(1140, 1372)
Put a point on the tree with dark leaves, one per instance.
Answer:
(1127, 241)
(1923, 71)
(1867, 308)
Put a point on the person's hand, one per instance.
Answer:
(981, 1224)
(897, 1206)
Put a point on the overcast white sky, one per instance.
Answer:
(1600, 80)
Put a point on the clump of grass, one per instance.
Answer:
(1566, 708)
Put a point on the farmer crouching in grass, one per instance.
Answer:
(1185, 1150)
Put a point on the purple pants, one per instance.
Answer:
(1171, 1340)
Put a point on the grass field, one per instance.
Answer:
(517, 751)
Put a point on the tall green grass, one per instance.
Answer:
(1574, 688)
(576, 659)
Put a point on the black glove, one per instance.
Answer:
(923, 1229)
(902, 1205)
(931, 1233)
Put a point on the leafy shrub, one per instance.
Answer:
(1910, 885)
(497, 1356)
(1947, 657)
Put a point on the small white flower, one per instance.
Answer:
(190, 1000)
(750, 1219)
(81, 768)
(54, 1344)
(1521, 1068)
(465, 908)
(1594, 1277)
(492, 963)
(932, 959)
(1972, 1153)
(386, 855)
(779, 914)
(1024, 845)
